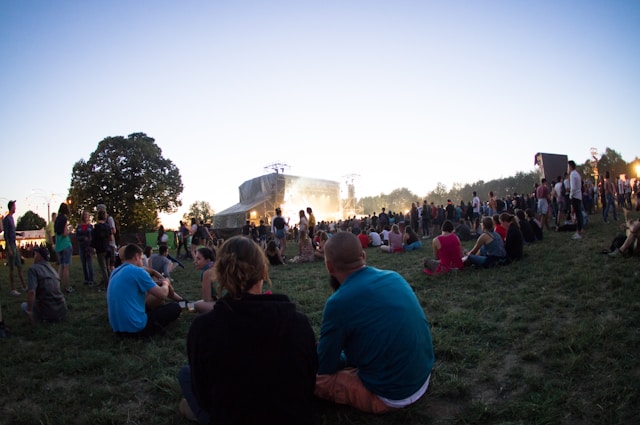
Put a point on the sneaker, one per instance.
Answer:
(14, 293)
(576, 236)
(70, 290)
(615, 253)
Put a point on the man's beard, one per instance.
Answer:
(334, 283)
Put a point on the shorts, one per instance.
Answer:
(280, 234)
(543, 206)
(16, 259)
(64, 256)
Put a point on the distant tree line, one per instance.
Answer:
(520, 183)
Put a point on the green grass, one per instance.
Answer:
(552, 339)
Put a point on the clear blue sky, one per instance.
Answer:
(402, 93)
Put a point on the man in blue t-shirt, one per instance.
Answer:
(135, 302)
(375, 350)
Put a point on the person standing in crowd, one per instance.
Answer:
(195, 237)
(303, 224)
(279, 230)
(101, 242)
(113, 246)
(373, 362)
(163, 240)
(252, 359)
(50, 237)
(14, 259)
(383, 219)
(475, 203)
(609, 198)
(183, 239)
(543, 196)
(64, 248)
(425, 217)
(575, 184)
(262, 234)
(45, 302)
(414, 213)
(312, 222)
(84, 235)
(558, 201)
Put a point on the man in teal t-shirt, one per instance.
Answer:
(375, 350)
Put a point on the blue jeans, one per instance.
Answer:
(610, 203)
(412, 246)
(64, 256)
(184, 379)
(86, 258)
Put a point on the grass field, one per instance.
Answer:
(553, 339)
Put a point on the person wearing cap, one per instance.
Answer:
(45, 301)
(375, 350)
(14, 259)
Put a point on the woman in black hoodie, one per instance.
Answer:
(252, 359)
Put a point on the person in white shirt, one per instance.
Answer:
(375, 238)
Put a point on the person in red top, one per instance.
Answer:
(364, 239)
(499, 228)
(447, 252)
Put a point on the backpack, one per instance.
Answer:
(100, 237)
(278, 223)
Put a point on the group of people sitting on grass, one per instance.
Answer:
(254, 348)
(501, 241)
(246, 327)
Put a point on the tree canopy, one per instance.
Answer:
(201, 211)
(132, 178)
(30, 221)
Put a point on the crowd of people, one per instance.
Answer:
(374, 362)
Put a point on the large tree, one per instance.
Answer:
(132, 178)
(612, 161)
(201, 211)
(30, 221)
